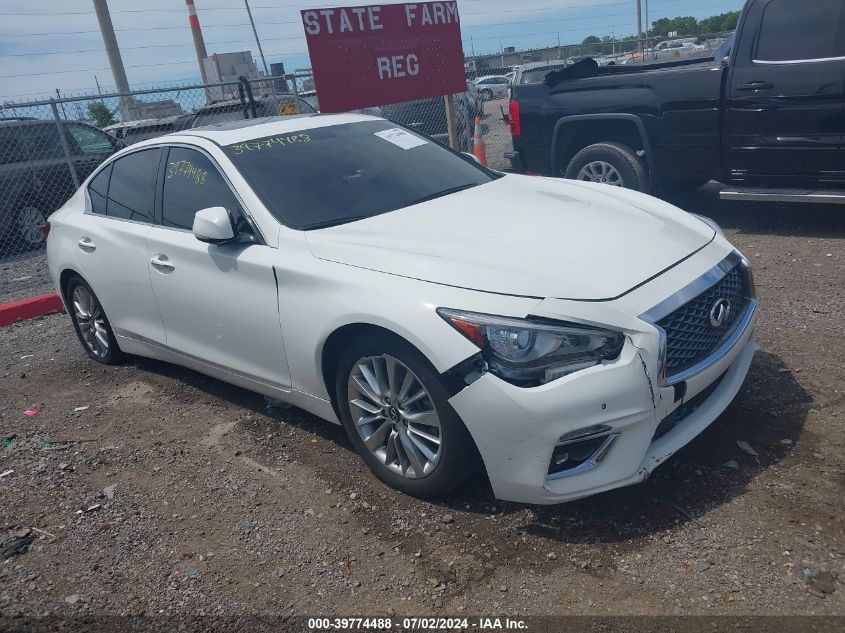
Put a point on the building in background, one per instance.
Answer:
(227, 67)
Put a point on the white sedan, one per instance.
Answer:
(493, 87)
(562, 337)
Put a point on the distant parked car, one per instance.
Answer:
(493, 86)
(310, 96)
(234, 110)
(35, 177)
(477, 98)
(133, 131)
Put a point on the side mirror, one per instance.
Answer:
(213, 225)
(473, 157)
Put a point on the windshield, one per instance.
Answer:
(336, 174)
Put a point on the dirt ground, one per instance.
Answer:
(148, 489)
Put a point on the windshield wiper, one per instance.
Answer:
(440, 194)
(333, 222)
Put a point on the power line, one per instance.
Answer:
(289, 6)
(288, 22)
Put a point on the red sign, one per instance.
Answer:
(380, 54)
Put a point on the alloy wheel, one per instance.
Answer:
(395, 416)
(602, 172)
(30, 221)
(91, 320)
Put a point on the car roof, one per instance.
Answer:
(247, 129)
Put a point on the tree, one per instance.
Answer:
(100, 114)
(719, 23)
(591, 39)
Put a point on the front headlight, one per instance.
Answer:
(529, 353)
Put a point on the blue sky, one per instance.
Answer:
(56, 43)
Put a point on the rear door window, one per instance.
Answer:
(42, 141)
(11, 149)
(796, 31)
(98, 191)
(131, 192)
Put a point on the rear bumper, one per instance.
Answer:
(516, 429)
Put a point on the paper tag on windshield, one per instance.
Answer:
(401, 138)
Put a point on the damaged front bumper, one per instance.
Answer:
(517, 430)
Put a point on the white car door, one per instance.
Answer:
(109, 242)
(219, 303)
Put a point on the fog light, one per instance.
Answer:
(581, 450)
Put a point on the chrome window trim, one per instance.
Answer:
(594, 460)
(818, 60)
(115, 157)
(686, 294)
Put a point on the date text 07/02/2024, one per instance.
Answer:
(416, 624)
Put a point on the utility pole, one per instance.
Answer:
(257, 41)
(199, 43)
(640, 25)
(97, 81)
(647, 23)
(101, 8)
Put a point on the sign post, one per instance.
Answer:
(381, 54)
(449, 102)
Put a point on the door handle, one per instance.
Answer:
(162, 264)
(86, 245)
(756, 85)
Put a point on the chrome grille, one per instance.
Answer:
(690, 337)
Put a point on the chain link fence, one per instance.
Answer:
(47, 148)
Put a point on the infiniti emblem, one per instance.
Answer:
(720, 312)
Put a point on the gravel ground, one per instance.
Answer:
(150, 489)
(23, 276)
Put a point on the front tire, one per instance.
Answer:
(397, 416)
(91, 323)
(610, 164)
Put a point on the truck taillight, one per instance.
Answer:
(513, 111)
(45, 228)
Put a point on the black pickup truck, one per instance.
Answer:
(766, 116)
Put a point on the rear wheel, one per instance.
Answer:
(91, 323)
(397, 416)
(611, 164)
(29, 222)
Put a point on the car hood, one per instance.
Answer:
(525, 236)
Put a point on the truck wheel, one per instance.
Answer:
(610, 164)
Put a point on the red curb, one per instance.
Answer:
(30, 308)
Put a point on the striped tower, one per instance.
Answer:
(199, 43)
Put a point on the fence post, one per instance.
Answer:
(243, 81)
(65, 147)
(450, 122)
